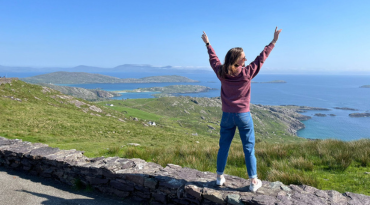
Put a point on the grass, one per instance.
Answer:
(325, 164)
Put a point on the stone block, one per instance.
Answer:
(309, 189)
(172, 183)
(150, 183)
(308, 198)
(137, 178)
(194, 191)
(357, 198)
(159, 197)
(26, 168)
(321, 194)
(144, 195)
(234, 199)
(336, 197)
(265, 200)
(214, 196)
(283, 200)
(41, 152)
(122, 185)
(15, 164)
(179, 201)
(96, 181)
(119, 193)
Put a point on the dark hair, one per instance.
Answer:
(230, 67)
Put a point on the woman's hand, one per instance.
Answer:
(205, 37)
(276, 35)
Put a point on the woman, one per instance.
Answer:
(236, 80)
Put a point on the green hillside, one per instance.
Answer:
(186, 133)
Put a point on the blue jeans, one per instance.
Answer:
(228, 124)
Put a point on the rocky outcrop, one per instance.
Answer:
(87, 94)
(320, 115)
(151, 183)
(366, 114)
(288, 116)
(345, 108)
(7, 80)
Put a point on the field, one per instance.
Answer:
(186, 133)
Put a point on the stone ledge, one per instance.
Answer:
(154, 184)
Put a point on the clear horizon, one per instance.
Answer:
(317, 36)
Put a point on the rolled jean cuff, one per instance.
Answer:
(254, 176)
(219, 173)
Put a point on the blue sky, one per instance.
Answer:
(317, 36)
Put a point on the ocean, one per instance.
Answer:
(324, 91)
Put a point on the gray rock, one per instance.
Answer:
(194, 191)
(357, 198)
(213, 195)
(210, 127)
(133, 144)
(265, 200)
(320, 115)
(234, 199)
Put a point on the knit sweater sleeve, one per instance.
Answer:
(213, 59)
(256, 65)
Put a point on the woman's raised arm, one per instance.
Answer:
(213, 59)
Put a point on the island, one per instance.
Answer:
(366, 114)
(168, 90)
(302, 109)
(365, 86)
(93, 78)
(274, 81)
(345, 108)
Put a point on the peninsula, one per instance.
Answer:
(168, 90)
(365, 86)
(366, 114)
(92, 78)
(345, 108)
(86, 94)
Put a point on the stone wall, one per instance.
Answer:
(152, 184)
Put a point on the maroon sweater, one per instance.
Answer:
(236, 91)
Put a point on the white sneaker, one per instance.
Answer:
(254, 187)
(220, 181)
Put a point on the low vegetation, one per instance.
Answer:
(186, 133)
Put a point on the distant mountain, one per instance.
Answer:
(90, 78)
(129, 68)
